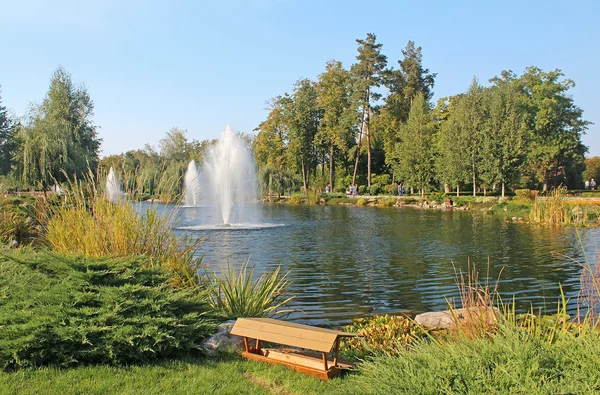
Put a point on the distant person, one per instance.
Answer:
(587, 185)
(327, 189)
(593, 184)
(400, 189)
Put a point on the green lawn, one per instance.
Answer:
(227, 376)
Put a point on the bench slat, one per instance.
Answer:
(287, 333)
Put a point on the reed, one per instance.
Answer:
(86, 224)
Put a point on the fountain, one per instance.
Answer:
(113, 188)
(227, 179)
(192, 185)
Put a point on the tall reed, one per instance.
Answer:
(85, 223)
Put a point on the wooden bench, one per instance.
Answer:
(317, 340)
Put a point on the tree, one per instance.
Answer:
(59, 140)
(415, 150)
(452, 161)
(174, 146)
(367, 74)
(592, 168)
(335, 99)
(303, 117)
(7, 140)
(555, 126)
(504, 143)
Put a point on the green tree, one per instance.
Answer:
(59, 140)
(504, 147)
(555, 126)
(367, 73)
(7, 140)
(335, 99)
(452, 161)
(592, 169)
(174, 147)
(415, 150)
(303, 116)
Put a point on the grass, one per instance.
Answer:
(229, 375)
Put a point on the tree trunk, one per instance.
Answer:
(484, 191)
(457, 190)
(331, 169)
(304, 178)
(360, 130)
(368, 137)
(412, 190)
(368, 155)
(422, 192)
(474, 181)
(503, 189)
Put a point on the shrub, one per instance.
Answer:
(387, 202)
(297, 198)
(68, 311)
(240, 295)
(17, 219)
(374, 189)
(437, 197)
(362, 189)
(381, 333)
(362, 202)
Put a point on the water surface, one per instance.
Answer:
(349, 262)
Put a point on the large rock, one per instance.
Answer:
(222, 341)
(445, 319)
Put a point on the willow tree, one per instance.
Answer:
(7, 140)
(59, 139)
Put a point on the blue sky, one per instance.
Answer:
(152, 65)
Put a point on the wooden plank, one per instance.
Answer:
(287, 333)
(319, 373)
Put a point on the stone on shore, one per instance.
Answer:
(222, 341)
(445, 319)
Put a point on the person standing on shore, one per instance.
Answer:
(587, 185)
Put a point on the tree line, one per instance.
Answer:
(374, 124)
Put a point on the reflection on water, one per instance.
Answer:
(347, 262)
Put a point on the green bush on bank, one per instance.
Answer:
(64, 311)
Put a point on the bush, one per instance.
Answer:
(239, 295)
(437, 197)
(63, 311)
(374, 189)
(362, 202)
(386, 333)
(17, 219)
(297, 198)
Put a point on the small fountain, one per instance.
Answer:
(192, 185)
(113, 188)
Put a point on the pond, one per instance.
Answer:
(348, 261)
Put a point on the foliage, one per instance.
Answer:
(512, 361)
(381, 334)
(556, 209)
(120, 231)
(59, 139)
(374, 189)
(17, 219)
(241, 295)
(7, 140)
(64, 311)
(592, 168)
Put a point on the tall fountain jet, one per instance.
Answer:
(113, 188)
(192, 185)
(227, 179)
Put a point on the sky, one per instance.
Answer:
(153, 65)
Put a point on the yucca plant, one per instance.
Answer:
(238, 294)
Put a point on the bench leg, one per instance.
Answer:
(325, 361)
(246, 344)
(337, 350)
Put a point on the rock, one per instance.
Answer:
(445, 319)
(222, 341)
(13, 244)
